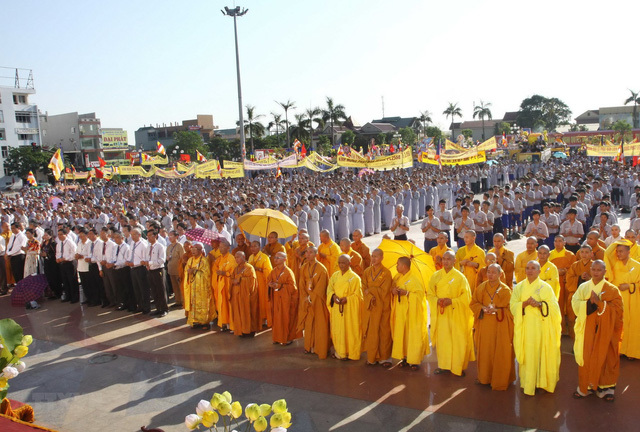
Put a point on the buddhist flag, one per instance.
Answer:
(101, 162)
(200, 157)
(57, 164)
(620, 156)
(219, 168)
(296, 144)
(438, 155)
(278, 172)
(32, 179)
(340, 152)
(503, 142)
(160, 148)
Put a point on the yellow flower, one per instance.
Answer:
(209, 418)
(265, 410)
(21, 351)
(224, 408)
(260, 424)
(227, 396)
(280, 406)
(286, 419)
(276, 420)
(3, 382)
(26, 340)
(236, 409)
(216, 400)
(252, 411)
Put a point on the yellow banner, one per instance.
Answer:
(156, 160)
(467, 159)
(182, 168)
(612, 150)
(398, 160)
(450, 145)
(488, 145)
(76, 176)
(131, 170)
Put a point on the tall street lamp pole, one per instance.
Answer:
(238, 12)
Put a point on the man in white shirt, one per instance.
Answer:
(399, 224)
(122, 273)
(139, 280)
(14, 251)
(65, 256)
(84, 255)
(431, 228)
(102, 252)
(155, 267)
(95, 268)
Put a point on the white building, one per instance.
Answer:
(19, 123)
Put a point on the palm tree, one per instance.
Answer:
(298, 129)
(635, 98)
(312, 116)
(333, 114)
(481, 111)
(277, 123)
(252, 126)
(286, 106)
(453, 111)
(425, 119)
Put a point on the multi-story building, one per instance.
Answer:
(19, 123)
(147, 137)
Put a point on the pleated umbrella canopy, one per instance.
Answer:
(261, 222)
(421, 262)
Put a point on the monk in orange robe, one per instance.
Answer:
(221, 283)
(356, 259)
(361, 248)
(579, 273)
(597, 246)
(504, 258)
(272, 247)
(562, 259)
(313, 315)
(437, 252)
(262, 266)
(244, 298)
(481, 277)
(242, 246)
(376, 314)
(298, 258)
(494, 331)
(284, 301)
(6, 233)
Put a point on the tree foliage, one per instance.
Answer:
(434, 132)
(223, 149)
(621, 126)
(409, 137)
(324, 145)
(635, 98)
(539, 112)
(23, 159)
(467, 133)
(502, 128)
(348, 137)
(187, 142)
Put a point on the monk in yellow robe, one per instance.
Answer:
(356, 259)
(221, 284)
(262, 266)
(598, 329)
(493, 335)
(361, 248)
(449, 296)
(6, 234)
(537, 332)
(410, 335)
(344, 300)
(470, 258)
(489, 259)
(199, 303)
(284, 302)
(579, 273)
(625, 274)
(436, 252)
(505, 258)
(548, 271)
(328, 251)
(214, 253)
(562, 259)
(244, 298)
(272, 247)
(634, 252)
(529, 254)
(376, 312)
(313, 315)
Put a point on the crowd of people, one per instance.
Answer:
(127, 246)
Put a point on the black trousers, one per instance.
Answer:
(109, 283)
(52, 273)
(85, 281)
(3, 274)
(141, 289)
(17, 267)
(124, 289)
(158, 290)
(98, 294)
(70, 281)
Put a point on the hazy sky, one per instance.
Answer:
(139, 62)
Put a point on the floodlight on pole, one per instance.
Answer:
(238, 12)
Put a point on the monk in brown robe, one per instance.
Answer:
(562, 259)
(437, 252)
(242, 246)
(598, 307)
(361, 248)
(504, 258)
(579, 273)
(376, 314)
(262, 266)
(493, 331)
(284, 301)
(313, 315)
(356, 259)
(597, 248)
(298, 257)
(272, 247)
(489, 259)
(243, 296)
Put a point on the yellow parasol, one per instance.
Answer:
(421, 262)
(261, 222)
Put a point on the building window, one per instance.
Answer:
(6, 171)
(5, 152)
(23, 117)
(24, 137)
(73, 129)
(1, 116)
(3, 136)
(19, 99)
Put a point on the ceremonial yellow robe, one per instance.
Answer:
(262, 265)
(199, 302)
(437, 252)
(549, 274)
(521, 263)
(244, 300)
(474, 254)
(363, 250)
(410, 335)
(376, 321)
(313, 315)
(619, 273)
(507, 261)
(271, 250)
(221, 285)
(536, 338)
(451, 327)
(346, 319)
(332, 253)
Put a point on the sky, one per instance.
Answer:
(140, 62)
